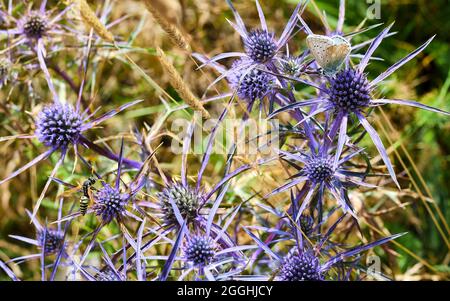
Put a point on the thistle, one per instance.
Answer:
(262, 49)
(253, 85)
(260, 45)
(49, 241)
(303, 263)
(199, 250)
(60, 126)
(321, 171)
(185, 198)
(110, 203)
(300, 267)
(34, 29)
(349, 93)
(34, 25)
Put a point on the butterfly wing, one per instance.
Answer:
(336, 54)
(318, 46)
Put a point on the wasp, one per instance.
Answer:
(87, 185)
(87, 194)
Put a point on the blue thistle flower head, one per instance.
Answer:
(300, 267)
(186, 198)
(349, 90)
(250, 85)
(324, 170)
(110, 203)
(58, 125)
(51, 240)
(260, 45)
(292, 66)
(34, 25)
(199, 250)
(319, 168)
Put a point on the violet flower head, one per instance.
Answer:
(303, 263)
(260, 45)
(300, 267)
(251, 85)
(186, 198)
(34, 25)
(58, 125)
(320, 171)
(261, 48)
(50, 240)
(110, 203)
(199, 250)
(349, 92)
(33, 29)
(291, 66)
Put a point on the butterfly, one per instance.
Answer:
(329, 52)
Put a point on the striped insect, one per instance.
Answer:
(87, 196)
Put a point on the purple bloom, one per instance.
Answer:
(34, 25)
(300, 267)
(199, 250)
(110, 203)
(251, 85)
(349, 93)
(303, 264)
(60, 126)
(34, 28)
(320, 171)
(208, 256)
(49, 241)
(261, 46)
(186, 198)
